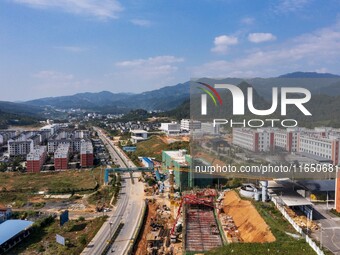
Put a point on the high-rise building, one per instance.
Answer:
(73, 138)
(86, 154)
(61, 156)
(23, 143)
(36, 159)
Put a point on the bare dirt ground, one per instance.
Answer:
(252, 227)
(142, 244)
(173, 139)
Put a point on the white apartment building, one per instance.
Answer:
(286, 139)
(318, 143)
(257, 140)
(52, 128)
(5, 135)
(37, 153)
(321, 145)
(188, 125)
(86, 147)
(22, 144)
(62, 151)
(73, 138)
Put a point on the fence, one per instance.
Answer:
(309, 240)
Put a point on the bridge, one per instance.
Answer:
(130, 170)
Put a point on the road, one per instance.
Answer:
(128, 208)
(329, 234)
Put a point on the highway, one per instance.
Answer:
(127, 210)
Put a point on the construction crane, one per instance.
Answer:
(191, 199)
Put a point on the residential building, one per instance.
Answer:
(86, 154)
(5, 135)
(22, 144)
(73, 138)
(36, 159)
(51, 128)
(61, 157)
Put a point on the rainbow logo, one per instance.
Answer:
(211, 92)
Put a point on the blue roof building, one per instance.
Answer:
(12, 232)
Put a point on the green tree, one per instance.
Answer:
(82, 239)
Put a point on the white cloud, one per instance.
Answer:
(102, 9)
(150, 62)
(286, 6)
(247, 21)
(153, 72)
(73, 49)
(141, 22)
(261, 37)
(53, 75)
(223, 42)
(308, 52)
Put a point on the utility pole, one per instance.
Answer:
(320, 235)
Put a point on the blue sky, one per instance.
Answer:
(62, 47)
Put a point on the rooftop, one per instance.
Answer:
(139, 131)
(11, 228)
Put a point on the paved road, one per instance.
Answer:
(128, 209)
(329, 234)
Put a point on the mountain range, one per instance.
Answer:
(170, 97)
(107, 102)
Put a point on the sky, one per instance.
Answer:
(63, 47)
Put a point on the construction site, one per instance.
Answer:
(201, 229)
(189, 223)
(198, 220)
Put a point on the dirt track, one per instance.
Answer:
(252, 227)
(142, 243)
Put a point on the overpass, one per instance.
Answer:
(126, 170)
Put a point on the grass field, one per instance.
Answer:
(284, 244)
(21, 188)
(151, 147)
(71, 179)
(76, 232)
(154, 146)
